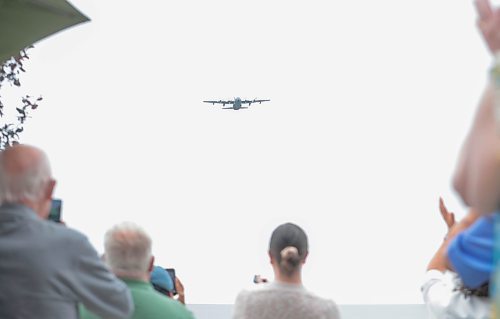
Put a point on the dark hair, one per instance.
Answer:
(161, 290)
(481, 291)
(288, 246)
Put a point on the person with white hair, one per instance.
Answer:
(47, 269)
(286, 297)
(127, 251)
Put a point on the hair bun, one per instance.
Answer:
(289, 252)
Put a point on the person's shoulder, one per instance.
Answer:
(253, 294)
(180, 310)
(176, 307)
(62, 232)
(326, 306)
(254, 290)
(65, 239)
(162, 303)
(331, 309)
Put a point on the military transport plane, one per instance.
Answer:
(237, 103)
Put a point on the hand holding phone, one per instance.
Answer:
(171, 272)
(55, 211)
(258, 279)
(179, 287)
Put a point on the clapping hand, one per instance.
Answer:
(489, 24)
(448, 217)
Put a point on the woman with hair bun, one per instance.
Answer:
(286, 297)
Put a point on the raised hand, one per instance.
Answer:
(489, 24)
(448, 217)
(180, 290)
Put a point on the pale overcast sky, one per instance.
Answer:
(370, 101)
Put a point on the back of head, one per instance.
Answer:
(24, 174)
(128, 250)
(289, 247)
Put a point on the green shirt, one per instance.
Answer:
(148, 304)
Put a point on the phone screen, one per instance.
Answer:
(55, 210)
(171, 272)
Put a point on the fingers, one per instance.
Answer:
(483, 8)
(449, 217)
(178, 284)
(442, 208)
(258, 279)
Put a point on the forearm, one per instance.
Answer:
(476, 178)
(440, 259)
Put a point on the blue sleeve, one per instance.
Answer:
(471, 252)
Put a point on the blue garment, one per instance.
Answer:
(161, 278)
(471, 252)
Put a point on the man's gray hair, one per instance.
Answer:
(28, 184)
(128, 249)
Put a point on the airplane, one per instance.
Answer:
(237, 103)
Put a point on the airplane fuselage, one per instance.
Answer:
(237, 104)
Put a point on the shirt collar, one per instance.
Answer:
(138, 284)
(285, 285)
(9, 211)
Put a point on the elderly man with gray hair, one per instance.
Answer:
(128, 254)
(47, 269)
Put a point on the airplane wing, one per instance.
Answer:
(219, 102)
(249, 102)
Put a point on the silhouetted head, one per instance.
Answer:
(25, 178)
(288, 248)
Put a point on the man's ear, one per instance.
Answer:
(42, 207)
(305, 257)
(151, 263)
(49, 190)
(271, 259)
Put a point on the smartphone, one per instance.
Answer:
(55, 211)
(171, 272)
